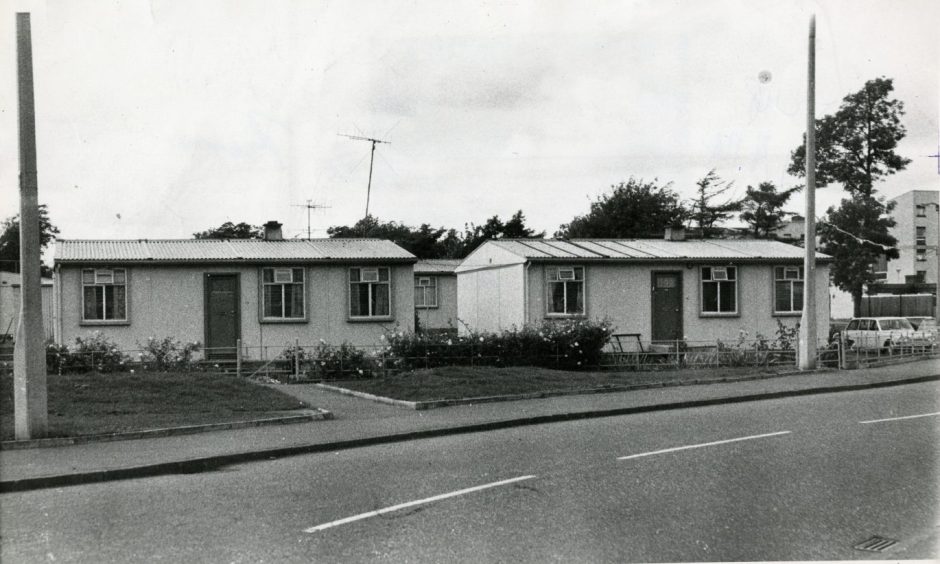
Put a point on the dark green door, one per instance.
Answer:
(222, 315)
(667, 306)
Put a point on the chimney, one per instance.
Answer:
(272, 231)
(675, 234)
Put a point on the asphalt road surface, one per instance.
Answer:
(806, 478)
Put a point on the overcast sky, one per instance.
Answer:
(155, 120)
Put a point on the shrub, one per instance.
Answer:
(168, 354)
(93, 353)
(562, 344)
(327, 361)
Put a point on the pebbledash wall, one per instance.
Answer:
(500, 289)
(170, 301)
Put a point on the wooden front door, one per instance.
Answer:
(222, 315)
(667, 306)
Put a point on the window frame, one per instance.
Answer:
(737, 293)
(433, 285)
(920, 210)
(349, 293)
(920, 255)
(94, 284)
(263, 285)
(549, 283)
(801, 278)
(920, 235)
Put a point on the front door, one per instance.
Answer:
(667, 306)
(222, 315)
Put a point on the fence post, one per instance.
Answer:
(678, 362)
(238, 357)
(296, 358)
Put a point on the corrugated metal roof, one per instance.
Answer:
(437, 266)
(651, 249)
(227, 250)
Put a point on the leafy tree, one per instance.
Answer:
(229, 230)
(10, 240)
(856, 236)
(703, 211)
(634, 208)
(855, 146)
(763, 207)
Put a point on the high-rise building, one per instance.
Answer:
(917, 217)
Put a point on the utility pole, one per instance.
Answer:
(310, 206)
(29, 356)
(808, 321)
(371, 159)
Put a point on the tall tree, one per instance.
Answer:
(704, 211)
(229, 230)
(10, 240)
(856, 146)
(856, 235)
(634, 208)
(763, 208)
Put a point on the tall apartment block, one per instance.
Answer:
(917, 214)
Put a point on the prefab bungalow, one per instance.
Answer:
(267, 294)
(658, 290)
(10, 299)
(436, 295)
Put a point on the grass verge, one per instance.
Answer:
(91, 404)
(460, 382)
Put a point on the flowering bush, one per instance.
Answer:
(562, 344)
(327, 361)
(168, 354)
(93, 353)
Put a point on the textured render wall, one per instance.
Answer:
(444, 316)
(169, 301)
(624, 295)
(10, 310)
(490, 299)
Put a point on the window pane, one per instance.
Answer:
(293, 300)
(119, 276)
(359, 300)
(710, 297)
(380, 299)
(732, 272)
(706, 273)
(575, 298)
(431, 296)
(797, 296)
(782, 296)
(117, 309)
(354, 275)
(92, 302)
(383, 275)
(298, 275)
(272, 301)
(727, 291)
(267, 275)
(558, 298)
(579, 274)
(88, 277)
(778, 272)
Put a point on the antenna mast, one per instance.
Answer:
(371, 159)
(310, 206)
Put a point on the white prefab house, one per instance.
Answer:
(262, 293)
(436, 295)
(660, 290)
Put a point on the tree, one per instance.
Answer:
(634, 208)
(856, 236)
(10, 240)
(763, 208)
(855, 146)
(229, 230)
(705, 213)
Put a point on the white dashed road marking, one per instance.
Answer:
(674, 449)
(900, 418)
(413, 503)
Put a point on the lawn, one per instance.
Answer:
(457, 382)
(90, 404)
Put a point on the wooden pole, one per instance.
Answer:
(29, 359)
(808, 322)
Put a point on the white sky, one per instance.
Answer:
(163, 118)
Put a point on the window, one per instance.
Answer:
(566, 290)
(921, 211)
(788, 289)
(104, 294)
(921, 254)
(369, 292)
(426, 291)
(921, 237)
(719, 290)
(921, 276)
(282, 293)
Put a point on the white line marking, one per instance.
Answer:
(900, 418)
(413, 503)
(642, 454)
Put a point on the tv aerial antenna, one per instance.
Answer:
(310, 206)
(371, 160)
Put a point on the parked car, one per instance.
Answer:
(872, 333)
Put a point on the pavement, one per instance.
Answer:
(360, 422)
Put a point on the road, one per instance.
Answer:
(805, 478)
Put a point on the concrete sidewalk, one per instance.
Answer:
(359, 422)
